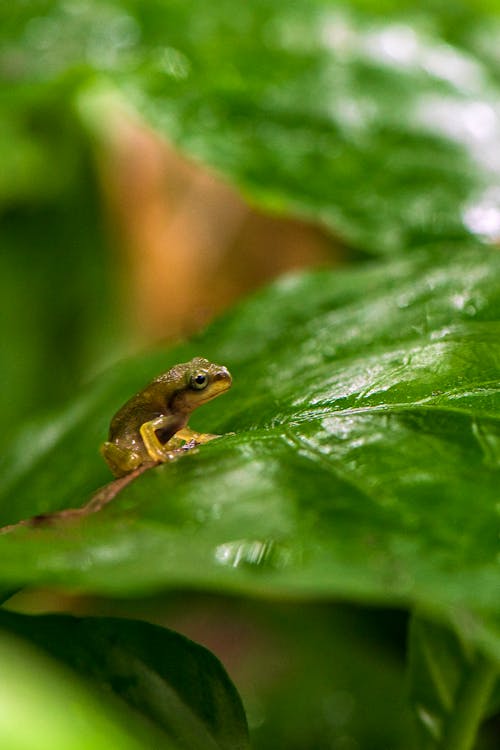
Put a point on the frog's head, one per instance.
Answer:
(202, 381)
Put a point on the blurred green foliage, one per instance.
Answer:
(57, 300)
(178, 686)
(443, 669)
(376, 126)
(46, 706)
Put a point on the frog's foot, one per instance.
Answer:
(183, 440)
(174, 444)
(157, 450)
(189, 436)
(120, 461)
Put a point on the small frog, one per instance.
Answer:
(153, 423)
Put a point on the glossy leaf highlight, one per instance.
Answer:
(365, 462)
(384, 128)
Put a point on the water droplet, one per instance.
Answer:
(483, 216)
(252, 552)
(431, 722)
(447, 63)
(395, 43)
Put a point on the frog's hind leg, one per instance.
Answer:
(120, 461)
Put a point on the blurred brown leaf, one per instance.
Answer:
(188, 243)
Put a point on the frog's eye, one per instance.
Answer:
(199, 381)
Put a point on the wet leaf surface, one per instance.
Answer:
(382, 127)
(365, 463)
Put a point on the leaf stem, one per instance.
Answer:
(470, 705)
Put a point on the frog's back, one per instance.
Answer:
(153, 401)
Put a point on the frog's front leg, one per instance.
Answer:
(157, 450)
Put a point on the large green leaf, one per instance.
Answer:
(382, 127)
(365, 462)
(180, 687)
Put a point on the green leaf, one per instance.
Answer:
(365, 463)
(340, 677)
(381, 127)
(44, 706)
(450, 686)
(179, 686)
(57, 317)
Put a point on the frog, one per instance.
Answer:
(151, 427)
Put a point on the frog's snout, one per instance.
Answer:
(224, 375)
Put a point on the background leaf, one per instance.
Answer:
(366, 420)
(58, 315)
(180, 687)
(382, 128)
(440, 665)
(45, 706)
(348, 662)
